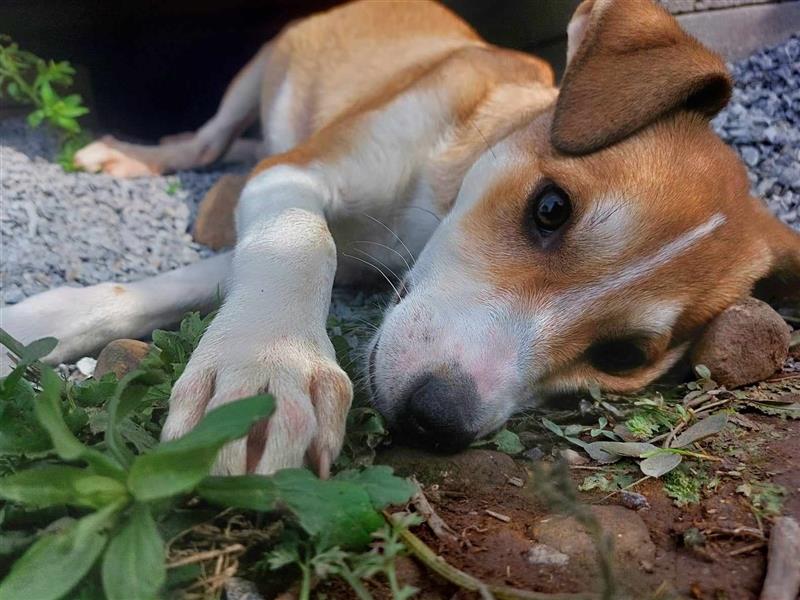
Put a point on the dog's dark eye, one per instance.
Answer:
(551, 209)
(617, 356)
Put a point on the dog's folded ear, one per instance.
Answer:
(630, 63)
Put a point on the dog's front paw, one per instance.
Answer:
(312, 395)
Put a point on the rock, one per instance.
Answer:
(120, 357)
(467, 470)
(573, 458)
(86, 366)
(215, 225)
(534, 454)
(747, 343)
(632, 543)
(542, 554)
(237, 588)
(750, 155)
(633, 500)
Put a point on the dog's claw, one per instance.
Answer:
(312, 396)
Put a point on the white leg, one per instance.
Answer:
(85, 319)
(238, 109)
(270, 333)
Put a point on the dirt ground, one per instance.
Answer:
(714, 549)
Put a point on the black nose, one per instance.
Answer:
(440, 412)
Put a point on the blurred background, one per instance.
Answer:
(148, 68)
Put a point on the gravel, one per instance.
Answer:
(80, 229)
(763, 123)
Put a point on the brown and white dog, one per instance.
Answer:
(563, 238)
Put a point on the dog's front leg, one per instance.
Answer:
(269, 335)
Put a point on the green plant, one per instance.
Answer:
(683, 486)
(504, 440)
(766, 498)
(85, 506)
(320, 561)
(30, 80)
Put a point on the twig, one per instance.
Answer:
(672, 433)
(498, 516)
(438, 526)
(746, 549)
(740, 532)
(708, 407)
(587, 468)
(783, 562)
(203, 556)
(456, 576)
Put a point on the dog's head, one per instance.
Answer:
(589, 247)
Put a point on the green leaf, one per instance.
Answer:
(55, 563)
(7, 340)
(95, 392)
(246, 492)
(702, 429)
(49, 97)
(337, 513)
(35, 118)
(38, 350)
(66, 123)
(552, 427)
(702, 371)
(56, 484)
(67, 446)
(381, 484)
(660, 464)
(595, 452)
(632, 449)
(133, 565)
(333, 512)
(507, 441)
(178, 466)
(130, 394)
(20, 432)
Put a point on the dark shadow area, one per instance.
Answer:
(150, 68)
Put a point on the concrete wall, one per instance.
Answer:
(687, 6)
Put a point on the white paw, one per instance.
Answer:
(312, 395)
(77, 317)
(112, 157)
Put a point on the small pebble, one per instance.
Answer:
(533, 454)
(86, 366)
(573, 458)
(633, 500)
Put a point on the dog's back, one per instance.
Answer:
(355, 58)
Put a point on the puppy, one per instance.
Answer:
(550, 239)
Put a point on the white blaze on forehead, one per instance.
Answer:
(572, 305)
(642, 268)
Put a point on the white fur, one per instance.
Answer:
(84, 319)
(280, 128)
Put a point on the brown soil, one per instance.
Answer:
(727, 565)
